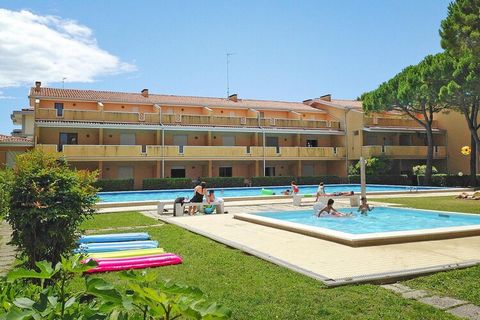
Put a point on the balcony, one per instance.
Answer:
(123, 152)
(395, 122)
(403, 152)
(97, 115)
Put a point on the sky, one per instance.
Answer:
(282, 50)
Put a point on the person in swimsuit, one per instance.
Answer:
(330, 210)
(364, 207)
(199, 192)
(295, 188)
(320, 191)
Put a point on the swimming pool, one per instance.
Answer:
(133, 196)
(383, 225)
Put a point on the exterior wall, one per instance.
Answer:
(141, 170)
(192, 169)
(52, 135)
(5, 149)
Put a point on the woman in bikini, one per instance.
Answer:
(199, 191)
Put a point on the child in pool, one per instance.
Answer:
(330, 210)
(364, 207)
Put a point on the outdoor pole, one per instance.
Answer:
(363, 181)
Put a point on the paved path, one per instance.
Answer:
(7, 252)
(459, 308)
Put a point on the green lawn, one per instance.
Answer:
(256, 289)
(444, 203)
(115, 220)
(461, 284)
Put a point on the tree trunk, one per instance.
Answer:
(473, 163)
(428, 169)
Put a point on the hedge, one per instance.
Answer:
(224, 182)
(167, 183)
(450, 180)
(318, 179)
(272, 181)
(114, 184)
(383, 179)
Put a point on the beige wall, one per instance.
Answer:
(52, 135)
(141, 170)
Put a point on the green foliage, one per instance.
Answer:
(167, 183)
(373, 166)
(419, 170)
(224, 182)
(48, 202)
(20, 298)
(6, 180)
(272, 181)
(114, 184)
(383, 179)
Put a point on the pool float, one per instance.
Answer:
(267, 192)
(114, 237)
(126, 253)
(165, 259)
(208, 209)
(115, 246)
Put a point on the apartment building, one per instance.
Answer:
(142, 135)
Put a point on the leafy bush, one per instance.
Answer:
(224, 182)
(48, 202)
(373, 166)
(318, 179)
(6, 179)
(382, 179)
(450, 180)
(420, 169)
(144, 298)
(114, 184)
(272, 181)
(166, 183)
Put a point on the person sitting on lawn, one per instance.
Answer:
(462, 195)
(364, 207)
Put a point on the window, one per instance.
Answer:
(225, 171)
(271, 141)
(127, 139)
(177, 172)
(180, 140)
(405, 140)
(59, 108)
(308, 170)
(313, 143)
(270, 171)
(228, 141)
(67, 138)
(125, 172)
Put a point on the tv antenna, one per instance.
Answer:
(63, 82)
(228, 62)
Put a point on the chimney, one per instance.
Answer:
(145, 93)
(233, 97)
(326, 97)
(38, 85)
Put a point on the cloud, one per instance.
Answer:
(4, 97)
(49, 48)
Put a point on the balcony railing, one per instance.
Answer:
(395, 122)
(408, 152)
(86, 152)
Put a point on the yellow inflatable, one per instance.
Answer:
(466, 150)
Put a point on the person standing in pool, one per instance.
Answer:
(364, 207)
(199, 192)
(330, 210)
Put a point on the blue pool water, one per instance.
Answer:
(129, 196)
(380, 219)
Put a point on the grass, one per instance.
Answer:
(256, 289)
(461, 284)
(444, 203)
(115, 220)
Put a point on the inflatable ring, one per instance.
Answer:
(267, 192)
(208, 209)
(466, 150)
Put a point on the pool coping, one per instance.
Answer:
(368, 239)
(375, 278)
(104, 205)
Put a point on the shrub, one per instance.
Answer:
(272, 181)
(114, 184)
(382, 179)
(450, 180)
(318, 179)
(373, 166)
(166, 183)
(6, 179)
(421, 168)
(48, 202)
(224, 182)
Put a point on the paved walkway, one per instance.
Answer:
(330, 262)
(459, 308)
(7, 252)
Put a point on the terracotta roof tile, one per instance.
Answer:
(125, 97)
(12, 139)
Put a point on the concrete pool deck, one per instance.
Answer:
(332, 263)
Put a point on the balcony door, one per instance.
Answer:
(67, 138)
(269, 171)
(125, 172)
(228, 141)
(180, 140)
(127, 139)
(177, 172)
(308, 170)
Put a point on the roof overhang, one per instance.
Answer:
(128, 126)
(400, 130)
